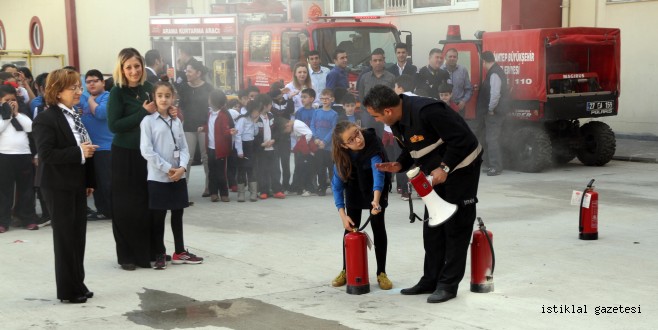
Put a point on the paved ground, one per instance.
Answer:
(269, 265)
(637, 149)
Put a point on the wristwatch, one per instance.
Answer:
(445, 168)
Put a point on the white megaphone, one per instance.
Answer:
(439, 210)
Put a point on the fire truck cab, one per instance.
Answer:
(556, 77)
(244, 53)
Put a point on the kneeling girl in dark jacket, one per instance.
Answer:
(357, 185)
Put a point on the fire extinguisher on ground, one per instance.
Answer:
(356, 260)
(588, 224)
(483, 259)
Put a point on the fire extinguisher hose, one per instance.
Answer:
(582, 199)
(365, 224)
(493, 255)
(483, 229)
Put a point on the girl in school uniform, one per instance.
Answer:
(163, 145)
(247, 130)
(358, 185)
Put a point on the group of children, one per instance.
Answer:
(265, 129)
(249, 142)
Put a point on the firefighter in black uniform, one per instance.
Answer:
(436, 139)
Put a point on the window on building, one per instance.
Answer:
(260, 46)
(342, 5)
(368, 6)
(346, 7)
(36, 36)
(419, 4)
(620, 1)
(431, 3)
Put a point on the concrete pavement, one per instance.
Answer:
(637, 149)
(269, 265)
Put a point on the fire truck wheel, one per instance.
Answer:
(530, 150)
(598, 144)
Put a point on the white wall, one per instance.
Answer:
(638, 110)
(16, 19)
(429, 28)
(106, 27)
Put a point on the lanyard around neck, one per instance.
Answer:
(171, 130)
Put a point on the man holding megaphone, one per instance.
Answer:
(437, 140)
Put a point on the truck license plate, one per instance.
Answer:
(600, 107)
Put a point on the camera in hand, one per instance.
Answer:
(5, 111)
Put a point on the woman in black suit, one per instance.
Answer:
(65, 152)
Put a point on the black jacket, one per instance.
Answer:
(485, 92)
(358, 189)
(427, 122)
(409, 69)
(429, 133)
(429, 80)
(59, 153)
(152, 77)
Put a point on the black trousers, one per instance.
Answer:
(232, 168)
(446, 246)
(282, 153)
(158, 229)
(217, 179)
(17, 173)
(131, 222)
(103, 191)
(378, 226)
(68, 213)
(269, 172)
(323, 167)
(302, 178)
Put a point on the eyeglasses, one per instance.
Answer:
(92, 81)
(325, 98)
(75, 88)
(356, 135)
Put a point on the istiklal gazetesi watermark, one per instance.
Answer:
(584, 309)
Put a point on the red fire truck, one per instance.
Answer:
(243, 51)
(557, 77)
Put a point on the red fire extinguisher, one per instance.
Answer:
(483, 259)
(588, 224)
(356, 261)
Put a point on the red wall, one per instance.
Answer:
(531, 14)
